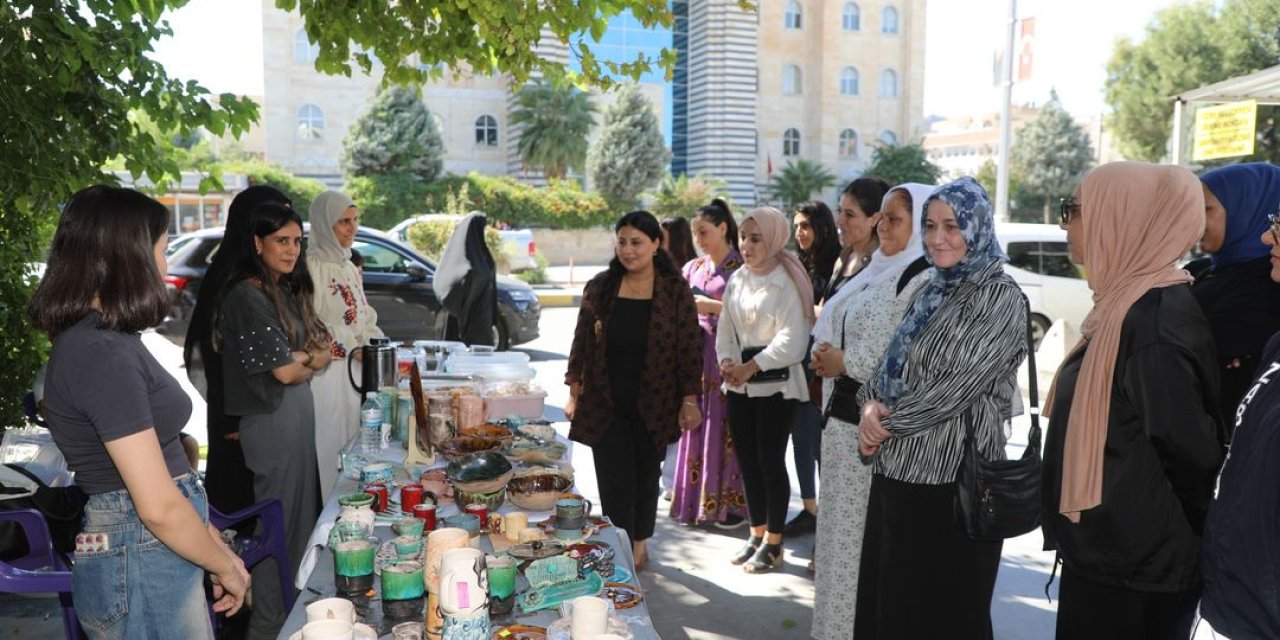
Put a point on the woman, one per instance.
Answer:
(633, 374)
(708, 487)
(229, 482)
(856, 221)
(272, 343)
(764, 327)
(949, 368)
(1241, 534)
(1133, 440)
(1238, 298)
(341, 306)
(116, 415)
(862, 316)
(818, 247)
(677, 240)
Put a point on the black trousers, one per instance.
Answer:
(760, 428)
(628, 466)
(1094, 611)
(920, 575)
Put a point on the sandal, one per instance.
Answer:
(749, 549)
(766, 559)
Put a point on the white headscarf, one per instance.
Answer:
(322, 244)
(881, 267)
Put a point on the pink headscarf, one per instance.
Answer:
(775, 230)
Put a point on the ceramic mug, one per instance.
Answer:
(331, 609)
(409, 527)
(468, 522)
(570, 517)
(329, 630)
(509, 524)
(408, 547)
(464, 582)
(588, 618)
(376, 473)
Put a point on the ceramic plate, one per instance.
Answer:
(583, 548)
(525, 551)
(363, 632)
(623, 595)
(520, 632)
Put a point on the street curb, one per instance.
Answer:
(558, 299)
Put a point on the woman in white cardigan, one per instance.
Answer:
(341, 305)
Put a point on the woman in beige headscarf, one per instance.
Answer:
(340, 303)
(1132, 446)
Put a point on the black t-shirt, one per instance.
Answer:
(1242, 536)
(102, 386)
(253, 343)
(627, 342)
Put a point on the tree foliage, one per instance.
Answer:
(553, 123)
(630, 155)
(560, 205)
(682, 196)
(1051, 154)
(902, 163)
(797, 181)
(396, 135)
(387, 199)
(1023, 206)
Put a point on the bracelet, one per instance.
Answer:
(310, 357)
(687, 403)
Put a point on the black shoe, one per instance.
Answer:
(747, 550)
(730, 522)
(804, 522)
(766, 559)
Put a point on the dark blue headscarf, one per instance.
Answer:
(1250, 193)
(983, 258)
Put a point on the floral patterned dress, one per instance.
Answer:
(708, 482)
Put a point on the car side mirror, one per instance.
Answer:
(417, 272)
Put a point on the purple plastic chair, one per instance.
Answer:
(268, 542)
(42, 570)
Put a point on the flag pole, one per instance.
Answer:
(1006, 109)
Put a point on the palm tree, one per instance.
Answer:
(554, 124)
(798, 180)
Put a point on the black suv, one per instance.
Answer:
(397, 282)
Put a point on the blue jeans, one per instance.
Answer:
(806, 442)
(137, 587)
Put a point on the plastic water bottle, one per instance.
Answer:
(371, 424)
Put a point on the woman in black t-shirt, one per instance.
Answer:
(116, 415)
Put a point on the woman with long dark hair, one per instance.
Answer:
(856, 218)
(677, 240)
(116, 415)
(272, 343)
(633, 374)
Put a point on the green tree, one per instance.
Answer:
(386, 199)
(1051, 154)
(902, 163)
(301, 191)
(630, 155)
(397, 135)
(683, 196)
(797, 181)
(553, 122)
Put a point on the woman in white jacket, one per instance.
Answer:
(341, 305)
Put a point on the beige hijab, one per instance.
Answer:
(775, 231)
(1137, 220)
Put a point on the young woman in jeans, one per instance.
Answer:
(116, 415)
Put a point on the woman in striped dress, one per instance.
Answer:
(950, 367)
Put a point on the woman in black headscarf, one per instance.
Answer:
(467, 282)
(227, 480)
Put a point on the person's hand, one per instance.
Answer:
(871, 433)
(726, 366)
(690, 416)
(707, 306)
(230, 586)
(738, 375)
(827, 361)
(570, 406)
(323, 357)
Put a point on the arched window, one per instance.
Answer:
(792, 14)
(889, 138)
(851, 17)
(304, 52)
(849, 81)
(791, 143)
(848, 143)
(889, 20)
(310, 122)
(487, 131)
(791, 81)
(888, 83)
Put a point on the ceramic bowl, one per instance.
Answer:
(491, 500)
(540, 430)
(496, 432)
(455, 448)
(475, 467)
(538, 492)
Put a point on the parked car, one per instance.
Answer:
(518, 243)
(397, 282)
(1040, 261)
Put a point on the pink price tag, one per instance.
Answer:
(464, 595)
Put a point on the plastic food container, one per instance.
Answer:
(528, 406)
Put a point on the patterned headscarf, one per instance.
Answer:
(323, 245)
(982, 259)
(1250, 193)
(775, 232)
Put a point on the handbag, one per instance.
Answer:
(998, 499)
(765, 375)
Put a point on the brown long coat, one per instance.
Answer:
(672, 362)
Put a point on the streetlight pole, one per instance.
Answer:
(1006, 109)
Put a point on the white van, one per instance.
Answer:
(1040, 262)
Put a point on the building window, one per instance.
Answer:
(487, 131)
(851, 17)
(888, 138)
(304, 52)
(848, 144)
(791, 19)
(849, 81)
(310, 122)
(791, 143)
(888, 83)
(889, 21)
(791, 82)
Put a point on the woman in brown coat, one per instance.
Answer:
(635, 369)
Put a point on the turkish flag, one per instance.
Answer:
(1026, 42)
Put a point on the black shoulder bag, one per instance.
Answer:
(998, 499)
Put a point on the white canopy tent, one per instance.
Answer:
(1261, 86)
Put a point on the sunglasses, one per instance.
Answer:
(1068, 208)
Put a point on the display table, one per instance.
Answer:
(320, 581)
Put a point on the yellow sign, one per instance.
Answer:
(1225, 131)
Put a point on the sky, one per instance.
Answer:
(219, 43)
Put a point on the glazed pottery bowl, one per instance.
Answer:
(499, 433)
(491, 500)
(538, 492)
(479, 473)
(455, 448)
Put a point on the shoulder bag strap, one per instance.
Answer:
(1033, 436)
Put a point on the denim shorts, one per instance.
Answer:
(137, 587)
